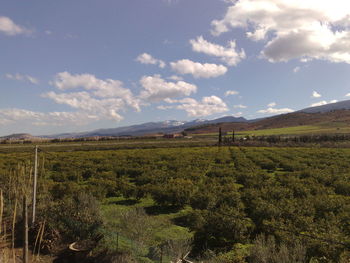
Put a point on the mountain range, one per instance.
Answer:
(339, 111)
(169, 126)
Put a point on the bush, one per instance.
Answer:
(76, 218)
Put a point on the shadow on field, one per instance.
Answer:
(126, 202)
(159, 210)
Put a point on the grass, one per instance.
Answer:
(113, 206)
(322, 128)
(133, 143)
(198, 140)
(116, 205)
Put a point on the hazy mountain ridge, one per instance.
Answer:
(341, 105)
(332, 112)
(20, 136)
(329, 113)
(169, 126)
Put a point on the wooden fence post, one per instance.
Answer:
(25, 230)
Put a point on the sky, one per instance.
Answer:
(69, 66)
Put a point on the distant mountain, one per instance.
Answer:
(333, 112)
(294, 119)
(329, 113)
(341, 105)
(169, 126)
(19, 137)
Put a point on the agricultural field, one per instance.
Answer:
(221, 204)
(317, 129)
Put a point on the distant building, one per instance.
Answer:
(173, 135)
(168, 136)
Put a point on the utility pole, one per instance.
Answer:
(233, 135)
(220, 136)
(35, 183)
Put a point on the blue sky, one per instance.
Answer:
(80, 65)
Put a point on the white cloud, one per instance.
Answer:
(298, 29)
(21, 77)
(207, 106)
(157, 89)
(315, 94)
(231, 92)
(272, 110)
(8, 27)
(296, 69)
(104, 108)
(238, 114)
(198, 70)
(323, 102)
(108, 88)
(103, 99)
(13, 115)
(240, 106)
(347, 95)
(162, 107)
(148, 59)
(228, 55)
(320, 103)
(176, 78)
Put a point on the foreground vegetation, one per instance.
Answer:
(222, 204)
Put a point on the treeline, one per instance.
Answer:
(242, 204)
(81, 139)
(298, 139)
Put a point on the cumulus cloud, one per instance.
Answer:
(103, 99)
(229, 55)
(272, 110)
(275, 111)
(108, 88)
(299, 29)
(21, 77)
(323, 102)
(320, 103)
(13, 115)
(8, 27)
(91, 99)
(104, 108)
(207, 106)
(176, 78)
(198, 70)
(146, 58)
(315, 94)
(231, 92)
(157, 89)
(347, 95)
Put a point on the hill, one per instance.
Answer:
(341, 105)
(333, 119)
(20, 137)
(170, 126)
